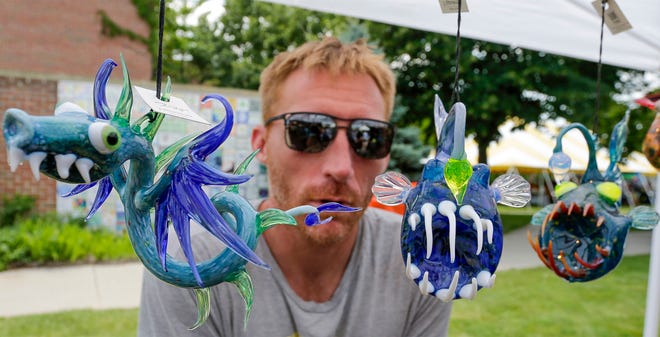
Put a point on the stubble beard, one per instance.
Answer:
(339, 229)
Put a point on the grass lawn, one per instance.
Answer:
(536, 303)
(523, 303)
(514, 218)
(76, 323)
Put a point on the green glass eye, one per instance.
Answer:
(610, 191)
(104, 137)
(564, 188)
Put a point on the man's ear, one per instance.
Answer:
(258, 141)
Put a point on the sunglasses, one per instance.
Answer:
(312, 132)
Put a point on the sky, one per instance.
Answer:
(215, 8)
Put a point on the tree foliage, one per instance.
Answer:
(496, 82)
(232, 51)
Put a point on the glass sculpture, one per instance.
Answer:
(78, 148)
(451, 234)
(651, 144)
(582, 235)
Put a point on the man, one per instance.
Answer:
(325, 139)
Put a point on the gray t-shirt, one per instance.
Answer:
(374, 297)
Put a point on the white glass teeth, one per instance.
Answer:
(63, 162)
(35, 159)
(467, 212)
(14, 157)
(469, 291)
(412, 271)
(447, 295)
(447, 208)
(489, 229)
(425, 287)
(413, 220)
(427, 211)
(485, 279)
(84, 165)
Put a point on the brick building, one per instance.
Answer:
(44, 41)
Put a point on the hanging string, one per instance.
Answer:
(159, 63)
(600, 66)
(455, 96)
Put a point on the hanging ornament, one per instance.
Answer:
(651, 144)
(77, 148)
(582, 236)
(451, 234)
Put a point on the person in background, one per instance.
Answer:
(325, 138)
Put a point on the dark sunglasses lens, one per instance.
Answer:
(309, 132)
(371, 139)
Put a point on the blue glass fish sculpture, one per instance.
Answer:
(451, 234)
(78, 148)
(582, 236)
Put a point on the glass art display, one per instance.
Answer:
(582, 235)
(78, 148)
(451, 235)
(651, 144)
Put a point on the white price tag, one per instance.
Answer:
(451, 6)
(175, 107)
(615, 21)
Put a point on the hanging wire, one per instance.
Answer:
(159, 65)
(455, 96)
(600, 66)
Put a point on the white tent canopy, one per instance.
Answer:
(563, 27)
(530, 149)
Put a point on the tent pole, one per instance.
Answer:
(653, 291)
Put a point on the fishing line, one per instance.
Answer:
(600, 66)
(455, 96)
(159, 62)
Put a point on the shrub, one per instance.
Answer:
(15, 207)
(41, 240)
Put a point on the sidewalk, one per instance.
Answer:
(107, 286)
(53, 289)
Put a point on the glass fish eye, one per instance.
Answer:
(609, 191)
(564, 188)
(104, 137)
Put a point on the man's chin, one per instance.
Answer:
(328, 234)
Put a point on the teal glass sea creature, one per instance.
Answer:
(78, 148)
(582, 236)
(451, 234)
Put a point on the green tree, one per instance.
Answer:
(176, 33)
(407, 149)
(496, 82)
(232, 51)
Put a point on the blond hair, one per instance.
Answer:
(332, 55)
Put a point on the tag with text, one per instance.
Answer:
(451, 6)
(175, 107)
(615, 21)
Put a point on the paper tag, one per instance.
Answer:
(451, 6)
(615, 21)
(175, 107)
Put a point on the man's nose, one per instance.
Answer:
(340, 157)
